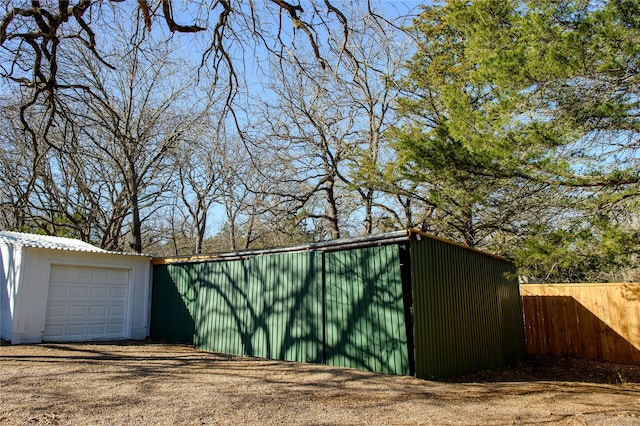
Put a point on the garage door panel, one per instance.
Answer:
(97, 329)
(78, 292)
(121, 276)
(80, 275)
(99, 292)
(57, 291)
(54, 330)
(56, 311)
(86, 303)
(98, 311)
(75, 330)
(115, 328)
(77, 274)
(59, 273)
(116, 310)
(101, 275)
(118, 293)
(63, 292)
(78, 311)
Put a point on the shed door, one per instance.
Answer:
(86, 303)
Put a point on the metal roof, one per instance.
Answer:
(331, 245)
(340, 244)
(55, 243)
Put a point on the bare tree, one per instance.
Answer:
(376, 52)
(247, 198)
(310, 125)
(199, 186)
(329, 124)
(113, 120)
(17, 160)
(128, 122)
(35, 36)
(43, 189)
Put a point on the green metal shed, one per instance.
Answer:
(401, 303)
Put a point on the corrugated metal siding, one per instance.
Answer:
(265, 306)
(365, 325)
(173, 303)
(511, 319)
(466, 315)
(222, 303)
(283, 319)
(347, 307)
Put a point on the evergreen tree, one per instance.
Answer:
(521, 121)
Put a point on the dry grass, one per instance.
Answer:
(147, 383)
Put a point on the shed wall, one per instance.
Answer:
(221, 307)
(174, 301)
(264, 306)
(31, 289)
(10, 262)
(365, 324)
(283, 317)
(344, 308)
(349, 308)
(467, 314)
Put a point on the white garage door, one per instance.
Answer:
(86, 303)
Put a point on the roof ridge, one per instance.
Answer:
(24, 239)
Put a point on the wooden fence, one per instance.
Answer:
(599, 321)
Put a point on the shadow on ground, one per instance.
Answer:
(532, 369)
(549, 368)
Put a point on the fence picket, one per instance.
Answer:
(587, 320)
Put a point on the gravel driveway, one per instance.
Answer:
(149, 383)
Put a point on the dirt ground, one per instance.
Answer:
(149, 383)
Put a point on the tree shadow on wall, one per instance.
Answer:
(365, 318)
(264, 306)
(273, 307)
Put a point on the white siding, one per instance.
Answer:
(10, 262)
(39, 266)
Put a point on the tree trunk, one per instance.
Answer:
(134, 205)
(332, 210)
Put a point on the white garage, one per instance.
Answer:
(64, 290)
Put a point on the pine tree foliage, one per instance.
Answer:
(521, 123)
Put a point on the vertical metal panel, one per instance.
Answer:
(266, 306)
(466, 315)
(222, 302)
(284, 317)
(511, 319)
(365, 326)
(173, 303)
